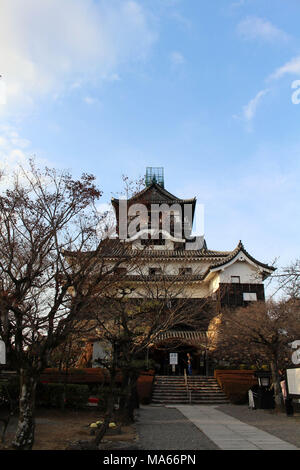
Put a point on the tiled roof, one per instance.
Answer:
(240, 248)
(113, 248)
(182, 334)
(158, 194)
(163, 277)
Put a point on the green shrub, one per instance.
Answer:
(103, 392)
(225, 367)
(50, 395)
(77, 395)
(59, 395)
(9, 394)
(12, 388)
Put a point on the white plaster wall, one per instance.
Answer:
(195, 290)
(214, 283)
(170, 267)
(248, 273)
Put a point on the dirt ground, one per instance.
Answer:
(56, 429)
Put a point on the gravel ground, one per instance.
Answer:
(161, 428)
(56, 429)
(279, 424)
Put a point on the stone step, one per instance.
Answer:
(194, 402)
(191, 387)
(181, 377)
(202, 390)
(183, 390)
(198, 393)
(195, 385)
(181, 382)
(175, 397)
(188, 376)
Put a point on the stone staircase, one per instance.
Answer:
(202, 390)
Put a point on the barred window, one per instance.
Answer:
(155, 271)
(184, 271)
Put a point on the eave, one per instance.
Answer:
(234, 256)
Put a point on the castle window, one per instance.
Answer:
(155, 271)
(153, 241)
(121, 271)
(249, 296)
(235, 279)
(184, 271)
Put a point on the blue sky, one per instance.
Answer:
(203, 89)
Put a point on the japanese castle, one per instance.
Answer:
(230, 278)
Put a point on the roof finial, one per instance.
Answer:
(155, 175)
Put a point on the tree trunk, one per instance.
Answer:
(24, 437)
(276, 384)
(129, 401)
(109, 410)
(107, 418)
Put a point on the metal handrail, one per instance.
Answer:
(188, 391)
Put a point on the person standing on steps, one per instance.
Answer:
(189, 363)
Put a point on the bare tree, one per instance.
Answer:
(258, 333)
(131, 317)
(288, 280)
(43, 215)
(132, 186)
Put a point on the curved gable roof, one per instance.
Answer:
(241, 249)
(156, 194)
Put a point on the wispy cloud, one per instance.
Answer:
(291, 67)
(13, 151)
(90, 100)
(177, 58)
(183, 22)
(254, 27)
(237, 4)
(249, 110)
(48, 46)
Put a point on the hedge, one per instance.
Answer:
(144, 388)
(59, 395)
(51, 395)
(236, 383)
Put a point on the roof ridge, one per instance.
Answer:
(162, 190)
(240, 247)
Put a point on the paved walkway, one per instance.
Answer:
(229, 433)
(287, 428)
(161, 428)
(215, 427)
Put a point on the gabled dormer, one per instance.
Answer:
(160, 217)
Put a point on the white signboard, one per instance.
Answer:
(2, 352)
(293, 380)
(101, 352)
(174, 359)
